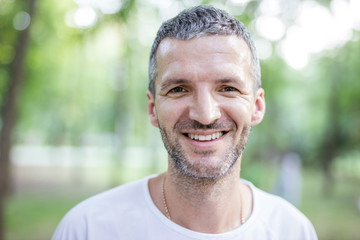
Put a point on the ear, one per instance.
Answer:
(151, 109)
(259, 107)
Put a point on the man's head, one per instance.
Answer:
(205, 99)
(202, 21)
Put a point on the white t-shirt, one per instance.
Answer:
(128, 212)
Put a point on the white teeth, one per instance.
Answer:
(205, 137)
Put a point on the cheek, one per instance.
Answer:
(170, 112)
(239, 113)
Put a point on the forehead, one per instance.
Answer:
(205, 45)
(205, 56)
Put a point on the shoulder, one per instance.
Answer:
(102, 211)
(114, 199)
(271, 204)
(280, 217)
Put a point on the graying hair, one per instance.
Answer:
(200, 21)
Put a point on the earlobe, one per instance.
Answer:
(151, 109)
(259, 108)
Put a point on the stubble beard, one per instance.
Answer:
(196, 170)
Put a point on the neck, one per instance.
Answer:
(205, 205)
(200, 190)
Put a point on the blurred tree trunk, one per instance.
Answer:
(332, 142)
(9, 112)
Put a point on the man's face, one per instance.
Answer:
(205, 103)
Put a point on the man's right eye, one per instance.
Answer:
(177, 90)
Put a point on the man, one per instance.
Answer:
(204, 96)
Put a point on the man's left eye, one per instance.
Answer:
(228, 89)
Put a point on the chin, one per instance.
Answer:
(205, 168)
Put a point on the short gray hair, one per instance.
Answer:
(200, 21)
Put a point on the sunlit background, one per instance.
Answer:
(73, 77)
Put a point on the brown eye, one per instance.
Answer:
(177, 90)
(228, 89)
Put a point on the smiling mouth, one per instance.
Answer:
(203, 138)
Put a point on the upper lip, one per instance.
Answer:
(203, 132)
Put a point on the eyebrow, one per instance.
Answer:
(171, 82)
(229, 80)
(225, 80)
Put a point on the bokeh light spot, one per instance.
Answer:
(21, 20)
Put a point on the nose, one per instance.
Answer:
(204, 108)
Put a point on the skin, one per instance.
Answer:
(204, 87)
